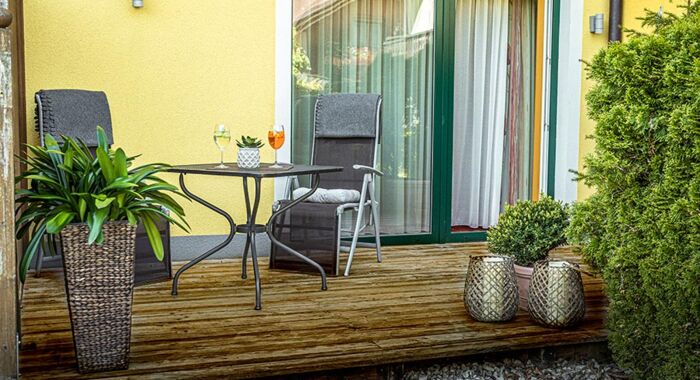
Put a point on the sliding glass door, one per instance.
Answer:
(458, 82)
(493, 117)
(374, 46)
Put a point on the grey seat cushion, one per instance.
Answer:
(338, 196)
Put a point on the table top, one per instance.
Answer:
(264, 171)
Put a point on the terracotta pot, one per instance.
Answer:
(523, 276)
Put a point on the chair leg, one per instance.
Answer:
(375, 215)
(358, 225)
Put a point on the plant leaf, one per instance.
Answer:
(120, 163)
(95, 223)
(60, 220)
(29, 253)
(153, 235)
(106, 165)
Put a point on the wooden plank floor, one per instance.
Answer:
(407, 308)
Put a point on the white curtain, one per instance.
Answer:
(481, 48)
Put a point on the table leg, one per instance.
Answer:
(251, 227)
(316, 179)
(212, 251)
(244, 266)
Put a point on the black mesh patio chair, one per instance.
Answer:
(77, 113)
(346, 133)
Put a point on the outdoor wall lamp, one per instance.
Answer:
(137, 3)
(596, 23)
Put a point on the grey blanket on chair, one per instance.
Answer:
(347, 115)
(74, 113)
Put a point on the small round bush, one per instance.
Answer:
(529, 230)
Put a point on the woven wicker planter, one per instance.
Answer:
(99, 286)
(490, 292)
(556, 294)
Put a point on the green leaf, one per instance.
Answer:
(68, 159)
(120, 163)
(102, 143)
(82, 206)
(120, 184)
(153, 235)
(95, 222)
(42, 178)
(102, 202)
(106, 165)
(130, 216)
(60, 220)
(29, 253)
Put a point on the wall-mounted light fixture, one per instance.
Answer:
(596, 23)
(137, 3)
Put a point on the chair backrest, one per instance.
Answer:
(73, 113)
(347, 130)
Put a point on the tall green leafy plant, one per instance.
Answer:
(67, 184)
(641, 228)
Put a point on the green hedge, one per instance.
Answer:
(642, 226)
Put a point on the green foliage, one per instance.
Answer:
(301, 69)
(67, 184)
(641, 229)
(249, 142)
(529, 230)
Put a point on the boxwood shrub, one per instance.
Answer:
(528, 230)
(642, 226)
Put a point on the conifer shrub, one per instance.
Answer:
(641, 228)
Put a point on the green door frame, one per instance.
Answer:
(443, 107)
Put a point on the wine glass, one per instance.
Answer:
(222, 137)
(275, 136)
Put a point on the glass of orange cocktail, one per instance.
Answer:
(275, 137)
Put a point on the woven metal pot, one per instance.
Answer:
(490, 292)
(248, 158)
(99, 285)
(556, 295)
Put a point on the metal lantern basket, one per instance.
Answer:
(490, 292)
(556, 298)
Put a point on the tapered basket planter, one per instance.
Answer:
(490, 292)
(99, 285)
(556, 296)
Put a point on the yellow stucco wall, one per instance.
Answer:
(591, 44)
(172, 71)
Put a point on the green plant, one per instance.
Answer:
(641, 228)
(67, 184)
(528, 230)
(249, 142)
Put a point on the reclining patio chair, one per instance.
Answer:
(77, 113)
(346, 133)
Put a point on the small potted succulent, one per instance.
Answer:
(94, 202)
(527, 231)
(248, 152)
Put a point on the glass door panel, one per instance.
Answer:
(373, 46)
(493, 113)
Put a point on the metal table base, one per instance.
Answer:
(250, 229)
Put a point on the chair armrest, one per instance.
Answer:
(367, 169)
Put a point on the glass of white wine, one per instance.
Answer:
(222, 137)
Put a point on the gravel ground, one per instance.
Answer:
(508, 369)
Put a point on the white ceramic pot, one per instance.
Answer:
(248, 158)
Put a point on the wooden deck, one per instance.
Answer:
(407, 308)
